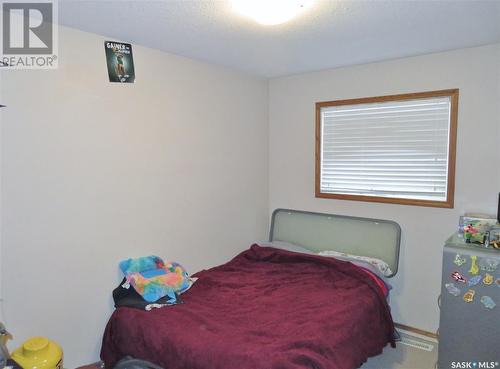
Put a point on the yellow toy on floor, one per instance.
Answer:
(39, 353)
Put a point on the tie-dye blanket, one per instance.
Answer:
(153, 278)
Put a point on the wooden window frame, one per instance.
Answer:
(453, 94)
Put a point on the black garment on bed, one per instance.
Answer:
(128, 297)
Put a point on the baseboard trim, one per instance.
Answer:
(416, 330)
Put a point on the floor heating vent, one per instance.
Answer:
(416, 343)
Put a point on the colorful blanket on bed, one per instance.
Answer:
(153, 278)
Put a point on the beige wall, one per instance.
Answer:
(94, 172)
(291, 125)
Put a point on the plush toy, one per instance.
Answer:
(153, 278)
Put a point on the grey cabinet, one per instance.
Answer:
(469, 325)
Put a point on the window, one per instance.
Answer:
(397, 149)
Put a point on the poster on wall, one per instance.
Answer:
(120, 62)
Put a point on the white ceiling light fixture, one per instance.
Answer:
(270, 12)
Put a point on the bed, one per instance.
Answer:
(271, 308)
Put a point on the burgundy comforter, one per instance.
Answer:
(265, 309)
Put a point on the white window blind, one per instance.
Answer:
(395, 149)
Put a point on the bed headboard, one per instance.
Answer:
(320, 232)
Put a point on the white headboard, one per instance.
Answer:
(320, 232)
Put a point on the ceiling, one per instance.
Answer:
(328, 34)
